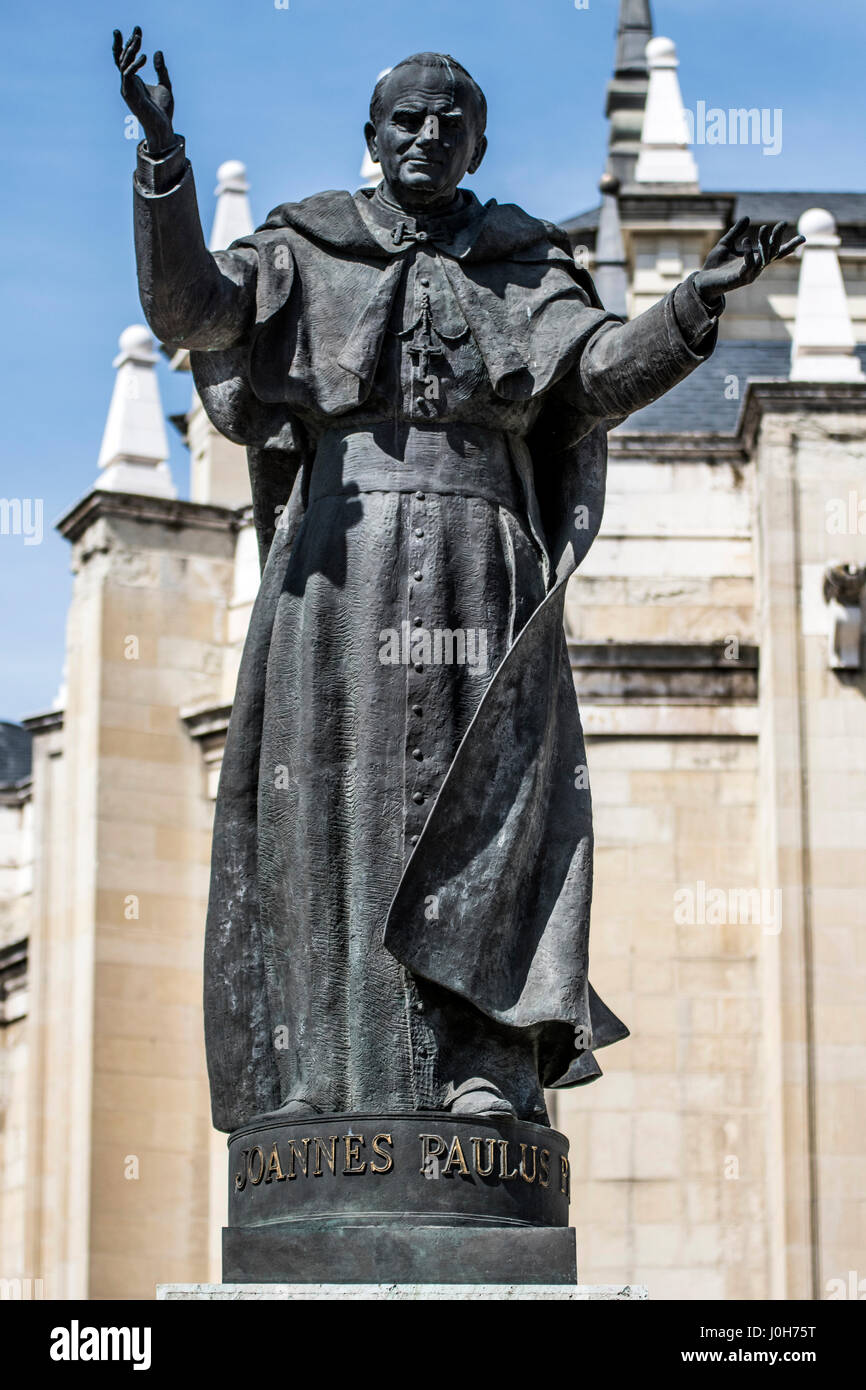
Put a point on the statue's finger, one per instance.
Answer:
(133, 45)
(790, 246)
(161, 69)
(117, 46)
(764, 245)
(776, 239)
(130, 72)
(730, 237)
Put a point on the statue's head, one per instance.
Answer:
(426, 128)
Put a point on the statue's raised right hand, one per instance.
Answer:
(152, 106)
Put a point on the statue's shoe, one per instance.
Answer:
(289, 1110)
(479, 1097)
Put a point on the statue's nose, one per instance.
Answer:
(430, 129)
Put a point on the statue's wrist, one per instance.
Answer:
(713, 300)
(697, 320)
(158, 144)
(159, 173)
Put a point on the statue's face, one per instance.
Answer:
(427, 137)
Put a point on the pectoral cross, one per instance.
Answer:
(423, 350)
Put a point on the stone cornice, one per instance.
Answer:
(207, 721)
(208, 726)
(160, 511)
(44, 723)
(682, 446)
(16, 793)
(670, 207)
(680, 656)
(778, 396)
(664, 673)
(14, 961)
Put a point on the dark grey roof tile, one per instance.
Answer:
(15, 752)
(704, 402)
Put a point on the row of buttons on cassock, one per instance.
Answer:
(419, 797)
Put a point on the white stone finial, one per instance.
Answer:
(817, 224)
(664, 155)
(661, 52)
(371, 172)
(233, 217)
(134, 445)
(823, 348)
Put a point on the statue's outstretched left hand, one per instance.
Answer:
(737, 260)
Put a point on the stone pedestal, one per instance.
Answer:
(359, 1293)
(409, 1200)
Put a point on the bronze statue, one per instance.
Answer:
(402, 856)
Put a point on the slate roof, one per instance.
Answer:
(15, 753)
(849, 209)
(583, 221)
(698, 404)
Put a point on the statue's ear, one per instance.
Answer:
(372, 143)
(477, 155)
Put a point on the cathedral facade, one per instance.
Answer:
(716, 636)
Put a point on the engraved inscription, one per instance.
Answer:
(438, 1155)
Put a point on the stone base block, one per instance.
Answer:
(409, 1254)
(342, 1293)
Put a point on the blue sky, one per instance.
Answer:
(286, 90)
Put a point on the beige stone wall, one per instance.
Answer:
(812, 451)
(13, 1148)
(673, 560)
(661, 257)
(16, 863)
(122, 1136)
(15, 918)
(722, 1154)
(668, 1146)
